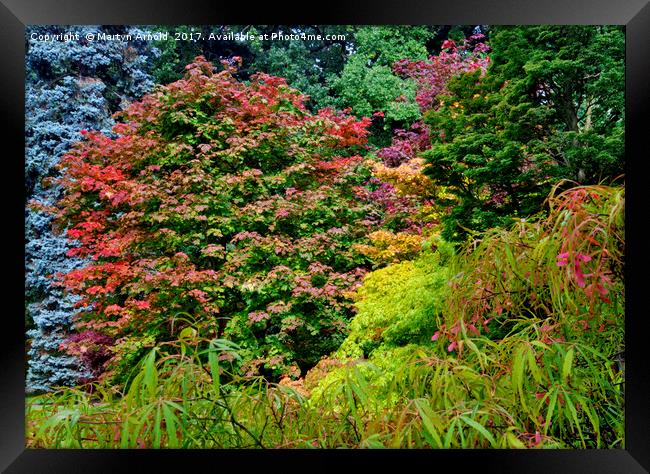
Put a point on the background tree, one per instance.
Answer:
(69, 86)
(368, 85)
(352, 68)
(305, 64)
(577, 72)
(549, 108)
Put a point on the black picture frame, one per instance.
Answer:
(16, 14)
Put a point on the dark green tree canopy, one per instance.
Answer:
(550, 107)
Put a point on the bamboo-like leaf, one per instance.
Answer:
(566, 366)
(360, 387)
(433, 437)
(593, 419)
(137, 425)
(373, 441)
(540, 344)
(213, 361)
(480, 355)
(511, 260)
(480, 428)
(124, 433)
(450, 433)
(551, 406)
(157, 431)
(532, 365)
(150, 379)
(518, 376)
(170, 425)
(133, 398)
(574, 416)
(514, 442)
(224, 345)
(349, 395)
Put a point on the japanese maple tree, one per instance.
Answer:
(222, 206)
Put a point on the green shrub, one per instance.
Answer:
(399, 304)
(561, 272)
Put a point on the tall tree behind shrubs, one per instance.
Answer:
(222, 208)
(549, 108)
(70, 86)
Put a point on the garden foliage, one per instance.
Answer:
(400, 304)
(440, 264)
(564, 271)
(528, 388)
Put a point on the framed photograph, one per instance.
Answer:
(353, 236)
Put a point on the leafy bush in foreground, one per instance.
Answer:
(516, 394)
(542, 383)
(563, 271)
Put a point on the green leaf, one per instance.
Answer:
(170, 425)
(532, 365)
(213, 361)
(431, 433)
(373, 441)
(137, 424)
(480, 428)
(124, 434)
(150, 379)
(518, 375)
(514, 442)
(157, 432)
(593, 418)
(551, 407)
(450, 432)
(574, 416)
(566, 366)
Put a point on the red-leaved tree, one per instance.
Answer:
(222, 206)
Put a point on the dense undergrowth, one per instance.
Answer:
(534, 364)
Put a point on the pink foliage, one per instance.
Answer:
(432, 75)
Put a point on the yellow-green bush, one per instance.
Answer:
(399, 304)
